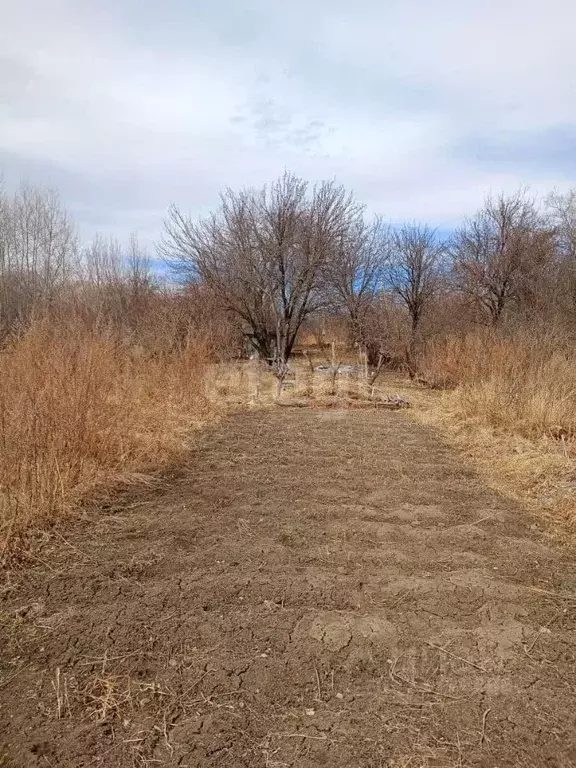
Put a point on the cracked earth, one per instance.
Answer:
(313, 589)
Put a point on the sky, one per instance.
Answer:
(421, 108)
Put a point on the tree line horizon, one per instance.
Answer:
(269, 260)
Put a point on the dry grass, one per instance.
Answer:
(81, 409)
(524, 383)
(538, 473)
(509, 402)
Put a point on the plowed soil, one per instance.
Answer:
(314, 589)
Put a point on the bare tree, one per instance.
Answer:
(497, 254)
(562, 218)
(118, 281)
(415, 270)
(37, 252)
(263, 254)
(137, 268)
(355, 273)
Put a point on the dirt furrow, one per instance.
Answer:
(315, 589)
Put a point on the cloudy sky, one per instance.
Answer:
(420, 107)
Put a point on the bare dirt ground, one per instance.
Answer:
(316, 588)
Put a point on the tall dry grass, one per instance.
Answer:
(523, 381)
(507, 400)
(83, 408)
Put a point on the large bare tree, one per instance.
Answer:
(263, 254)
(498, 253)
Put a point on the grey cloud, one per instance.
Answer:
(279, 126)
(543, 152)
(26, 93)
(127, 105)
(15, 77)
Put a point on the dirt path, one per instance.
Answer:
(318, 589)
